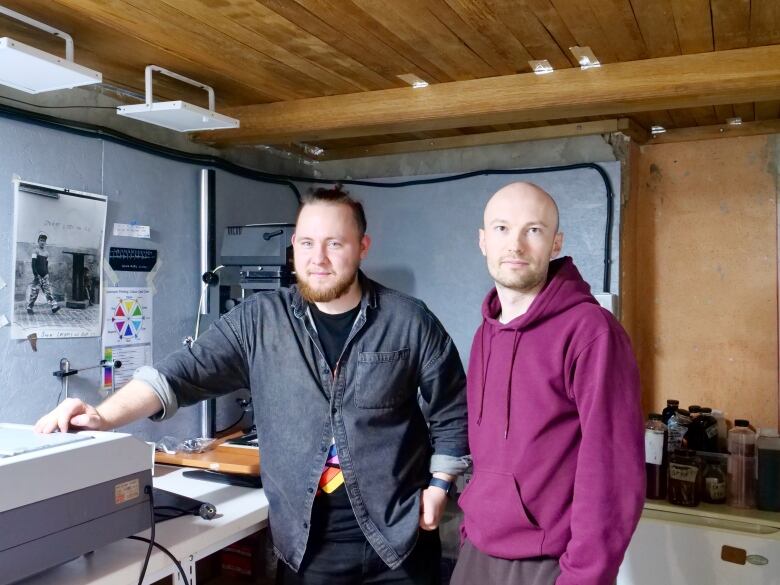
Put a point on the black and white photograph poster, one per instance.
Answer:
(58, 252)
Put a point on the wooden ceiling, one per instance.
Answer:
(325, 72)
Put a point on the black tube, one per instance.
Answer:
(94, 131)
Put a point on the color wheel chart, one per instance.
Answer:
(128, 318)
(127, 334)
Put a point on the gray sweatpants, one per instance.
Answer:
(476, 568)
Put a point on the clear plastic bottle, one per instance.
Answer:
(768, 492)
(678, 428)
(741, 487)
(656, 457)
(671, 408)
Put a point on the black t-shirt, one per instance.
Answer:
(332, 516)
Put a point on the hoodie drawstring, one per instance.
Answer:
(515, 343)
(484, 365)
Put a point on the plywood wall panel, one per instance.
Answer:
(704, 309)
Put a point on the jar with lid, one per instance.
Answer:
(685, 478)
(768, 490)
(714, 484)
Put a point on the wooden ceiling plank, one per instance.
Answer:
(355, 42)
(650, 119)
(483, 139)
(276, 30)
(212, 16)
(724, 112)
(484, 32)
(718, 131)
(585, 27)
(767, 110)
(745, 111)
(122, 58)
(418, 27)
(618, 22)
(656, 21)
(683, 117)
(764, 22)
(693, 22)
(526, 28)
(705, 115)
(186, 38)
(548, 17)
(730, 23)
(341, 24)
(702, 79)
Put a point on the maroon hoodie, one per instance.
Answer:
(555, 430)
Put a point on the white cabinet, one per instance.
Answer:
(672, 547)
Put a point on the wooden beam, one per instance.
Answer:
(682, 81)
(717, 131)
(624, 125)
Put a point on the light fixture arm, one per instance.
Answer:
(44, 27)
(148, 84)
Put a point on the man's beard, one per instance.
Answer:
(520, 282)
(325, 295)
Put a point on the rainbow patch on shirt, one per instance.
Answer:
(331, 477)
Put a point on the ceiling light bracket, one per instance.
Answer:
(148, 84)
(44, 27)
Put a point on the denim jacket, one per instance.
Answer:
(385, 436)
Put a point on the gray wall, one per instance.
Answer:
(425, 238)
(140, 187)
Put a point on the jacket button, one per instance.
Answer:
(305, 524)
(311, 490)
(333, 410)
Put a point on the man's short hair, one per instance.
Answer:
(335, 196)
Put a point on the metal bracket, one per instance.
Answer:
(148, 84)
(44, 27)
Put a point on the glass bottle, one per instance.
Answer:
(685, 478)
(656, 457)
(714, 485)
(671, 407)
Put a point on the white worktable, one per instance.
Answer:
(240, 512)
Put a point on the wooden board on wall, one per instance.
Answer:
(704, 320)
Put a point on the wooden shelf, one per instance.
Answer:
(719, 512)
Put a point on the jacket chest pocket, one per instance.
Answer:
(382, 378)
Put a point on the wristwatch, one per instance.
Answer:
(447, 486)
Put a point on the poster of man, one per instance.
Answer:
(58, 235)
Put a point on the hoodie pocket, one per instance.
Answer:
(496, 520)
(382, 378)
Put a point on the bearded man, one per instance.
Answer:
(359, 401)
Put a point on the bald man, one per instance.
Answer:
(555, 424)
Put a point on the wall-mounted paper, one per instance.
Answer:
(132, 230)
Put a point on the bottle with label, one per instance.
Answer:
(723, 431)
(685, 478)
(678, 428)
(768, 492)
(671, 407)
(709, 430)
(693, 438)
(656, 462)
(742, 465)
(714, 479)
